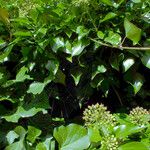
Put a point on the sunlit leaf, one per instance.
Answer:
(72, 137)
(113, 38)
(132, 31)
(32, 134)
(109, 16)
(128, 63)
(133, 146)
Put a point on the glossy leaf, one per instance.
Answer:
(113, 38)
(36, 88)
(72, 137)
(123, 131)
(128, 63)
(133, 146)
(146, 60)
(109, 16)
(132, 32)
(11, 136)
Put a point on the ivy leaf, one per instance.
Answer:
(94, 135)
(100, 34)
(82, 32)
(22, 33)
(16, 146)
(36, 88)
(146, 60)
(58, 43)
(132, 32)
(48, 144)
(115, 61)
(32, 134)
(138, 82)
(76, 73)
(113, 38)
(38, 104)
(11, 136)
(72, 137)
(122, 131)
(60, 77)
(128, 63)
(21, 75)
(77, 48)
(133, 146)
(109, 16)
(107, 2)
(4, 54)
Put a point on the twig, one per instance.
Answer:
(121, 47)
(117, 95)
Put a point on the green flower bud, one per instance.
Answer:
(109, 143)
(139, 116)
(97, 116)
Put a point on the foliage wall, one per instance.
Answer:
(59, 56)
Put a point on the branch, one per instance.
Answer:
(121, 47)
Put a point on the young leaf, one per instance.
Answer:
(72, 137)
(113, 38)
(132, 32)
(32, 134)
(133, 146)
(36, 88)
(109, 16)
(21, 75)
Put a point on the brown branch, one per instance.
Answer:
(121, 47)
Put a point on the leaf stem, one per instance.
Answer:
(121, 47)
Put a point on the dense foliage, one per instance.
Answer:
(57, 57)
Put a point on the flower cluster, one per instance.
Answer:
(139, 116)
(109, 143)
(97, 116)
(81, 2)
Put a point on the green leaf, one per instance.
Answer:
(99, 69)
(109, 16)
(107, 2)
(94, 135)
(132, 32)
(146, 60)
(22, 33)
(11, 136)
(58, 43)
(32, 134)
(115, 60)
(72, 137)
(4, 54)
(76, 74)
(82, 32)
(21, 75)
(36, 88)
(113, 38)
(4, 15)
(38, 104)
(60, 77)
(122, 131)
(128, 63)
(100, 34)
(133, 146)
(19, 130)
(48, 144)
(77, 48)
(136, 1)
(16, 146)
